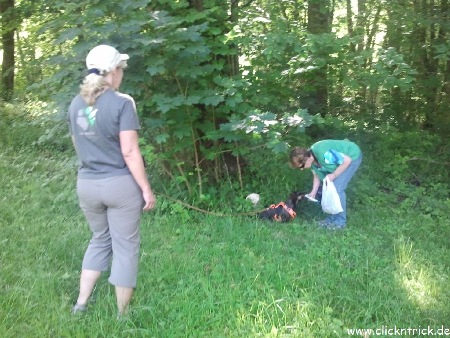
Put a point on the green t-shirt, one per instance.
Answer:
(329, 154)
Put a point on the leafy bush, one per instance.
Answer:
(21, 124)
(410, 169)
(34, 123)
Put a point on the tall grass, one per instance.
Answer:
(209, 276)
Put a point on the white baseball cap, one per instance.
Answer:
(104, 58)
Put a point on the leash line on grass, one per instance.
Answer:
(207, 211)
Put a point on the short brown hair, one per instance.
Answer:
(298, 156)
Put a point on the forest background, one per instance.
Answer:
(217, 81)
(224, 89)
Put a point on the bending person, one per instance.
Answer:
(336, 159)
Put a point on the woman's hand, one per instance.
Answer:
(149, 199)
(340, 169)
(312, 194)
(331, 177)
(129, 145)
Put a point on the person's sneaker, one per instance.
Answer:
(325, 223)
(78, 308)
(333, 226)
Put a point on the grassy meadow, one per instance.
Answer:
(209, 276)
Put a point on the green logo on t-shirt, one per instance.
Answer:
(90, 113)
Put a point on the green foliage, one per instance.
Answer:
(34, 123)
(172, 50)
(392, 71)
(411, 169)
(201, 113)
(267, 42)
(266, 125)
(181, 78)
(388, 71)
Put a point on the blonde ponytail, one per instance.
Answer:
(92, 87)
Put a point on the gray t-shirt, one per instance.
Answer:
(96, 132)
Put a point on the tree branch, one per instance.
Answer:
(427, 160)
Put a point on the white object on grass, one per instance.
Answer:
(254, 198)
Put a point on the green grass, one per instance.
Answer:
(207, 276)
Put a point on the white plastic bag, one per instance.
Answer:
(331, 203)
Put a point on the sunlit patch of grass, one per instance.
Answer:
(416, 276)
(289, 318)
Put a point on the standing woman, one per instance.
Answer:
(112, 185)
(336, 159)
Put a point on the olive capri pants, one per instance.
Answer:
(113, 208)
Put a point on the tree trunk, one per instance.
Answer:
(426, 63)
(350, 29)
(197, 4)
(8, 28)
(360, 24)
(396, 16)
(442, 114)
(315, 99)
